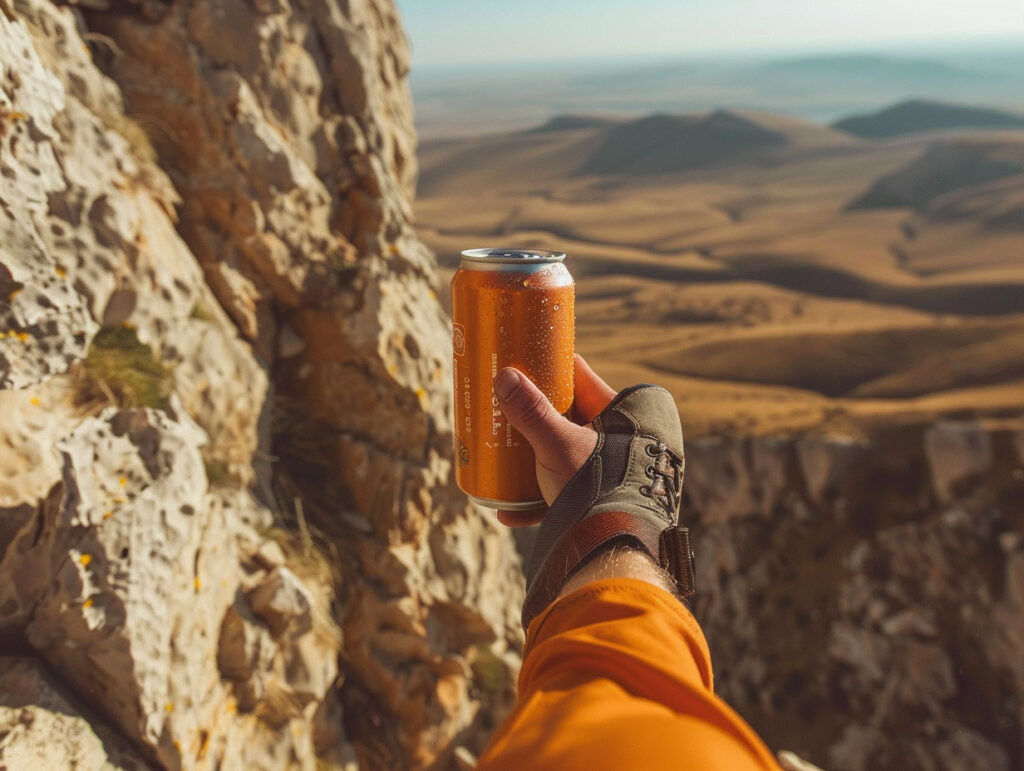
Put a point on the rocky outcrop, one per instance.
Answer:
(863, 598)
(44, 727)
(226, 519)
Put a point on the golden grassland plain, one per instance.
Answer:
(754, 287)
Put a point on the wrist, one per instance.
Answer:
(619, 560)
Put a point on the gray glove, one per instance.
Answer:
(628, 491)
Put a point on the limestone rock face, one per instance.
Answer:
(956, 452)
(90, 240)
(872, 612)
(227, 523)
(123, 578)
(286, 129)
(44, 727)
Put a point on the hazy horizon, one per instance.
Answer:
(999, 45)
(452, 33)
(821, 86)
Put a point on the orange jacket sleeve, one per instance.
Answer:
(617, 675)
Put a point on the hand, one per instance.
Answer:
(561, 445)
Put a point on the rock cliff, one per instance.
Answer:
(228, 537)
(863, 598)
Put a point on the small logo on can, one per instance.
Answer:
(459, 339)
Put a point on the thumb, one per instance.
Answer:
(528, 410)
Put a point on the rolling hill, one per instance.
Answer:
(920, 115)
(965, 178)
(719, 255)
(569, 146)
(660, 144)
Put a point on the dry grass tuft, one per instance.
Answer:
(278, 705)
(218, 474)
(121, 370)
(317, 564)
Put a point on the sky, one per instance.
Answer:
(460, 32)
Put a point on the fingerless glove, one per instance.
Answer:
(628, 491)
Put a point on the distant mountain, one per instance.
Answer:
(921, 115)
(569, 123)
(978, 179)
(869, 68)
(572, 145)
(670, 143)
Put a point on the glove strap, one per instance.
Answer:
(670, 548)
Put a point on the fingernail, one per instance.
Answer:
(505, 383)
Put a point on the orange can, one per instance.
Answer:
(510, 308)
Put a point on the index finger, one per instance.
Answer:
(592, 393)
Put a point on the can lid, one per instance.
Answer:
(512, 255)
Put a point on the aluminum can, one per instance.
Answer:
(510, 308)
